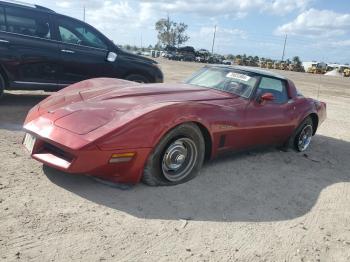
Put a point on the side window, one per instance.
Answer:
(77, 33)
(2, 20)
(68, 36)
(274, 86)
(26, 22)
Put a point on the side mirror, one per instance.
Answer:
(266, 97)
(111, 57)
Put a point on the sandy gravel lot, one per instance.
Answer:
(258, 206)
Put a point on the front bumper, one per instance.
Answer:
(90, 161)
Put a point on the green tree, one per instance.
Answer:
(231, 57)
(171, 33)
(296, 60)
(158, 47)
(180, 34)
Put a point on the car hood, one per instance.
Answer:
(120, 95)
(107, 104)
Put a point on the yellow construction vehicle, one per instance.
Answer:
(276, 65)
(282, 66)
(295, 67)
(319, 68)
(262, 64)
(311, 68)
(269, 65)
(238, 61)
(347, 72)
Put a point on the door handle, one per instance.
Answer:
(4, 41)
(67, 51)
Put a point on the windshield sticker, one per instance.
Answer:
(238, 76)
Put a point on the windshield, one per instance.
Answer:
(225, 79)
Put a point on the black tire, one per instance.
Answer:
(2, 86)
(156, 172)
(294, 141)
(137, 78)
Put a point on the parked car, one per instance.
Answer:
(41, 49)
(161, 134)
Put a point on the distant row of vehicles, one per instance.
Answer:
(281, 65)
(204, 56)
(188, 53)
(323, 68)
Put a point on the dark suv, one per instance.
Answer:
(40, 49)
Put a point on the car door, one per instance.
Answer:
(269, 122)
(27, 52)
(83, 52)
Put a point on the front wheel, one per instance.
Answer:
(177, 158)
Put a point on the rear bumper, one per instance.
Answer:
(91, 161)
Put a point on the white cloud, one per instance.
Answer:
(235, 8)
(222, 32)
(286, 6)
(64, 4)
(317, 23)
(342, 43)
(203, 37)
(113, 15)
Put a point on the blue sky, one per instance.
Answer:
(317, 30)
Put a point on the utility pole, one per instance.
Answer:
(212, 47)
(284, 46)
(84, 14)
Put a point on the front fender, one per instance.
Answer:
(147, 129)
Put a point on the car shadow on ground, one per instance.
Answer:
(259, 186)
(14, 108)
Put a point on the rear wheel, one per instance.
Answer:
(137, 78)
(302, 137)
(177, 158)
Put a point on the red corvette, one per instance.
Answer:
(161, 133)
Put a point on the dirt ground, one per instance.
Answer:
(258, 206)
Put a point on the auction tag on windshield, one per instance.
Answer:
(238, 76)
